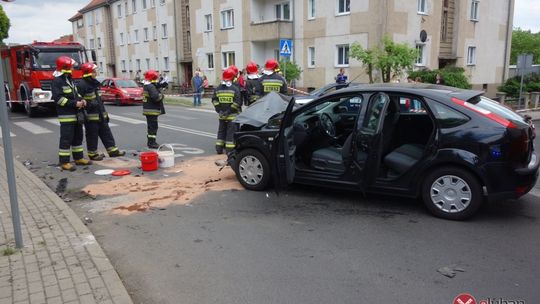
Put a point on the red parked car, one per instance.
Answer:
(121, 91)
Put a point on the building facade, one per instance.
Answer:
(472, 34)
(132, 36)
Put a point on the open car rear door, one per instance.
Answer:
(284, 150)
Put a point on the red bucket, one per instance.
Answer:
(149, 161)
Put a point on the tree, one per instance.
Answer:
(4, 25)
(525, 42)
(291, 70)
(390, 58)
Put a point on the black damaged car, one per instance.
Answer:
(453, 148)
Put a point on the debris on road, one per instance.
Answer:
(87, 220)
(27, 162)
(67, 200)
(450, 271)
(61, 186)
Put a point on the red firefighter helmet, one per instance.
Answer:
(252, 68)
(234, 69)
(151, 75)
(88, 68)
(271, 65)
(228, 74)
(64, 63)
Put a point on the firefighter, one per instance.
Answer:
(254, 88)
(152, 106)
(228, 103)
(271, 80)
(69, 106)
(97, 118)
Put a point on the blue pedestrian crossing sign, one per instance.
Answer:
(285, 47)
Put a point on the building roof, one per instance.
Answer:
(76, 17)
(92, 5)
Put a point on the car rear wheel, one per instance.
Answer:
(452, 193)
(252, 170)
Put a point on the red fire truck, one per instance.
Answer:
(28, 72)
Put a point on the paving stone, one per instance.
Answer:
(55, 300)
(34, 277)
(6, 301)
(5, 291)
(66, 284)
(87, 299)
(69, 295)
(50, 280)
(83, 288)
(37, 298)
(52, 291)
(35, 287)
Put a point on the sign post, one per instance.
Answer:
(285, 50)
(524, 63)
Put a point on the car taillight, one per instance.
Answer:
(503, 121)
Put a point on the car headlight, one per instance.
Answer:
(124, 91)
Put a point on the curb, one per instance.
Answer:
(101, 261)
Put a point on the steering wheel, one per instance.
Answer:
(327, 125)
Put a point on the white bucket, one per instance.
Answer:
(166, 158)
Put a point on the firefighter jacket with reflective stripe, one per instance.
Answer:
(254, 89)
(89, 89)
(273, 82)
(65, 95)
(153, 100)
(227, 101)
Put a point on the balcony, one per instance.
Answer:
(271, 30)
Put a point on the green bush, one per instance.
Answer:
(531, 83)
(453, 77)
(290, 70)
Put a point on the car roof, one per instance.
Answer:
(432, 91)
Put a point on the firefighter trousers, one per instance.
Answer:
(225, 135)
(71, 137)
(152, 127)
(96, 130)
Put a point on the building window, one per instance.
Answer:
(126, 8)
(153, 3)
(343, 55)
(474, 10)
(143, 4)
(166, 63)
(161, 2)
(80, 23)
(228, 59)
(148, 63)
(421, 54)
(164, 30)
(98, 17)
(227, 19)
(311, 57)
(130, 65)
(283, 11)
(138, 64)
(123, 65)
(210, 57)
(188, 43)
(157, 63)
(92, 45)
(343, 7)
(154, 33)
(119, 10)
(99, 42)
(145, 34)
(471, 55)
(311, 9)
(121, 38)
(208, 19)
(422, 7)
(101, 67)
(89, 18)
(128, 37)
(136, 34)
(134, 6)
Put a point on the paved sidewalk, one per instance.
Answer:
(61, 262)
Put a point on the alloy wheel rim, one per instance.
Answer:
(251, 170)
(450, 193)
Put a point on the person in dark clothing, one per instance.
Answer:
(272, 81)
(341, 78)
(69, 107)
(97, 118)
(439, 79)
(152, 106)
(228, 103)
(254, 88)
(197, 85)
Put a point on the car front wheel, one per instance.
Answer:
(252, 170)
(452, 193)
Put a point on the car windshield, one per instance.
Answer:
(321, 90)
(126, 83)
(46, 60)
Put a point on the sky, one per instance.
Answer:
(46, 20)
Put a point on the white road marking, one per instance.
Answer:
(10, 133)
(203, 110)
(126, 119)
(181, 116)
(32, 127)
(56, 122)
(190, 131)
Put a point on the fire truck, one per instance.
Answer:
(28, 72)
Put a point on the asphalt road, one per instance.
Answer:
(307, 245)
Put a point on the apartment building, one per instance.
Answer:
(472, 34)
(131, 36)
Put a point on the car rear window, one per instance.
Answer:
(494, 107)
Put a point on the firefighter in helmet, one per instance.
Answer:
(228, 103)
(97, 118)
(254, 88)
(69, 106)
(271, 80)
(152, 106)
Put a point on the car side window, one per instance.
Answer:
(352, 104)
(447, 117)
(410, 105)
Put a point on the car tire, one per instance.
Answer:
(30, 111)
(252, 170)
(452, 193)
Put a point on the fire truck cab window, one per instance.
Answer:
(47, 60)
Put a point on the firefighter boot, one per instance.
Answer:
(68, 167)
(152, 144)
(96, 157)
(83, 162)
(117, 153)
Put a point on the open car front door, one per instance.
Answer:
(284, 150)
(369, 141)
